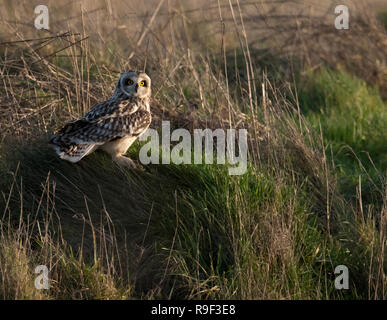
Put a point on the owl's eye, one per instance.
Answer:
(129, 82)
(142, 83)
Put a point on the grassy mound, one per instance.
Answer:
(313, 196)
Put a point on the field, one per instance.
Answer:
(312, 98)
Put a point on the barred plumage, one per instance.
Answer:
(112, 125)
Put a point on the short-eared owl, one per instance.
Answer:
(112, 125)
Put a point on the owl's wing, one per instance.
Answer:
(111, 108)
(106, 128)
(104, 123)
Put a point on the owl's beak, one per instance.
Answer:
(136, 87)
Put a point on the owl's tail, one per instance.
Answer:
(70, 151)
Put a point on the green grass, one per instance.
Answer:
(352, 118)
(193, 231)
(382, 16)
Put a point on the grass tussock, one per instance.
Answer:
(314, 194)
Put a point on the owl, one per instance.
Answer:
(112, 125)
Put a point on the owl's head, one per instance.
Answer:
(135, 84)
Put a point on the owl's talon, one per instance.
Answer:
(139, 167)
(125, 162)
